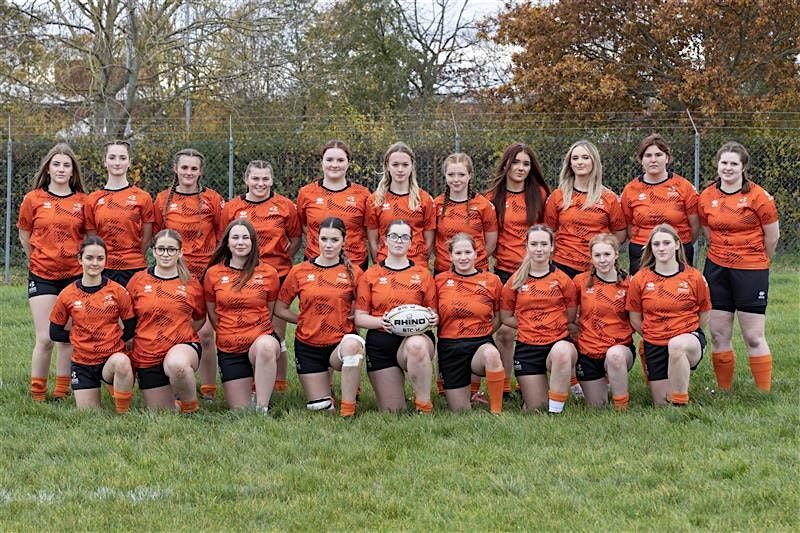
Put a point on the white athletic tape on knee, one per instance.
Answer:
(349, 361)
(358, 338)
(323, 404)
(283, 346)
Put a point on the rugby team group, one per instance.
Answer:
(553, 307)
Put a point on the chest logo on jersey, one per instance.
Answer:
(77, 304)
(341, 277)
(482, 283)
(131, 200)
(108, 300)
(383, 281)
(350, 201)
(47, 205)
(386, 206)
(621, 294)
(714, 203)
(554, 284)
(101, 201)
(524, 288)
(589, 290)
(180, 290)
(258, 279)
(273, 210)
(148, 289)
(416, 279)
(77, 207)
(742, 202)
(225, 279)
(320, 201)
(242, 214)
(683, 288)
(650, 286)
(311, 277)
(642, 197)
(672, 192)
(450, 283)
(173, 207)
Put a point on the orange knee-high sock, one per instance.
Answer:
(281, 385)
(494, 386)
(475, 386)
(621, 402)
(761, 368)
(440, 386)
(110, 389)
(208, 391)
(62, 386)
(506, 384)
(38, 389)
(423, 407)
(189, 407)
(122, 401)
(347, 409)
(573, 381)
(679, 398)
(723, 368)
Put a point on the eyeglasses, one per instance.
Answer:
(161, 250)
(398, 238)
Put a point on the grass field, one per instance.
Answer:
(727, 462)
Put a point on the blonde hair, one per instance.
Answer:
(455, 159)
(457, 238)
(386, 177)
(604, 238)
(566, 180)
(649, 259)
(524, 270)
(183, 271)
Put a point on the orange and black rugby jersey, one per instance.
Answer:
(646, 205)
(540, 306)
(164, 309)
(118, 216)
(734, 222)
(576, 226)
(326, 297)
(57, 227)
(381, 288)
(196, 217)
(96, 333)
(395, 207)
(315, 203)
(511, 243)
(670, 305)
(467, 304)
(242, 314)
(602, 316)
(480, 219)
(275, 221)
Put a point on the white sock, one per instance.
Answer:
(556, 406)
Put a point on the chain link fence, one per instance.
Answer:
(292, 144)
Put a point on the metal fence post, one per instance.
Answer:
(9, 173)
(696, 164)
(230, 157)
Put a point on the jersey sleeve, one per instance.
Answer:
(551, 208)
(690, 198)
(616, 218)
(508, 297)
(25, 218)
(125, 303)
(371, 214)
(633, 300)
(703, 293)
(293, 228)
(363, 294)
(88, 214)
(60, 314)
(208, 286)
(275, 286)
(289, 288)
(431, 299)
(148, 213)
(428, 213)
(158, 211)
(198, 301)
(765, 208)
(625, 204)
(571, 293)
(488, 217)
(301, 207)
(225, 218)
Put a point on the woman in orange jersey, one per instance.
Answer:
(95, 305)
(539, 301)
(194, 211)
(668, 302)
(51, 227)
(658, 196)
(581, 208)
(122, 215)
(279, 234)
(460, 209)
(399, 197)
(518, 193)
(395, 281)
(334, 195)
(604, 332)
(469, 312)
(170, 308)
(325, 336)
(240, 294)
(741, 222)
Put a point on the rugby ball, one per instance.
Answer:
(409, 319)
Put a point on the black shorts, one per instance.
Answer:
(121, 276)
(381, 348)
(635, 255)
(87, 376)
(656, 358)
(455, 359)
(236, 365)
(592, 368)
(310, 359)
(152, 377)
(531, 360)
(568, 270)
(503, 275)
(38, 286)
(735, 289)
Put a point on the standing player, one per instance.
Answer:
(395, 281)
(605, 335)
(399, 197)
(170, 308)
(469, 307)
(122, 215)
(539, 301)
(658, 196)
(334, 195)
(194, 211)
(460, 209)
(95, 306)
(51, 228)
(669, 303)
(325, 336)
(279, 235)
(581, 208)
(518, 193)
(240, 294)
(741, 222)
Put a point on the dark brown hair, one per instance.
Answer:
(534, 205)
